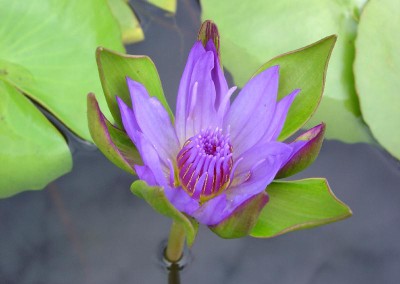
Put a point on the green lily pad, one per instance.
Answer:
(301, 204)
(252, 32)
(54, 42)
(296, 68)
(377, 71)
(129, 24)
(32, 151)
(47, 53)
(114, 67)
(167, 5)
(154, 195)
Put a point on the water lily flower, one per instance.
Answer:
(216, 156)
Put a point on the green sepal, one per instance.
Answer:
(112, 142)
(114, 67)
(155, 197)
(296, 205)
(303, 69)
(243, 219)
(307, 154)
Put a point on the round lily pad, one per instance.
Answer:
(377, 71)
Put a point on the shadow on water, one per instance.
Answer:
(87, 227)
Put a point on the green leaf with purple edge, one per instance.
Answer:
(296, 205)
(155, 197)
(303, 69)
(307, 155)
(112, 142)
(243, 219)
(114, 67)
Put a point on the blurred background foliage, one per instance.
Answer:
(47, 66)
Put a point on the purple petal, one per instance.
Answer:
(221, 86)
(252, 110)
(144, 173)
(213, 211)
(278, 151)
(225, 105)
(181, 200)
(219, 208)
(153, 171)
(128, 120)
(279, 118)
(153, 121)
(258, 176)
(184, 90)
(261, 174)
(201, 113)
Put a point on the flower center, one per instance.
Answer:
(205, 164)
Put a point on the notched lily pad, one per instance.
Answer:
(32, 151)
(46, 53)
(377, 71)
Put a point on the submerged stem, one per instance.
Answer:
(176, 242)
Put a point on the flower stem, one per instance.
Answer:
(176, 242)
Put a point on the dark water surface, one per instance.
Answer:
(87, 227)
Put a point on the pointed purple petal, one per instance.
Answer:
(213, 211)
(154, 173)
(258, 176)
(218, 77)
(144, 173)
(224, 106)
(253, 109)
(305, 150)
(128, 120)
(181, 200)
(201, 113)
(279, 118)
(222, 206)
(279, 151)
(184, 89)
(153, 121)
